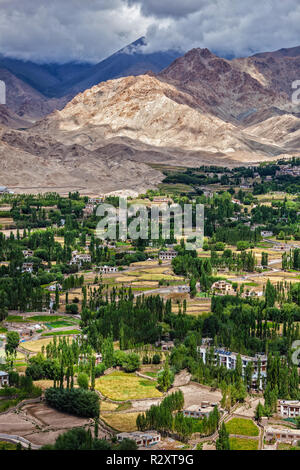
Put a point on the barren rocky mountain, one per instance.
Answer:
(154, 113)
(32, 163)
(25, 101)
(202, 109)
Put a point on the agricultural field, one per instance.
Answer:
(35, 346)
(62, 333)
(125, 422)
(242, 427)
(243, 444)
(120, 386)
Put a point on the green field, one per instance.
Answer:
(61, 333)
(242, 427)
(243, 444)
(7, 446)
(120, 386)
(58, 324)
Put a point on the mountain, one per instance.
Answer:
(230, 89)
(201, 109)
(35, 90)
(31, 163)
(43, 77)
(148, 113)
(25, 101)
(131, 60)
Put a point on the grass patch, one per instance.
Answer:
(243, 444)
(7, 404)
(124, 406)
(243, 427)
(125, 422)
(108, 406)
(58, 324)
(7, 446)
(45, 318)
(120, 386)
(62, 333)
(36, 346)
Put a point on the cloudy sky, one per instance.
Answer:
(90, 30)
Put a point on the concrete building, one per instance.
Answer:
(184, 289)
(96, 200)
(194, 411)
(4, 379)
(222, 288)
(108, 269)
(142, 439)
(266, 233)
(27, 268)
(285, 435)
(78, 258)
(228, 359)
(53, 287)
(289, 408)
(167, 255)
(28, 253)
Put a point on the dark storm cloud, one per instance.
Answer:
(169, 8)
(63, 30)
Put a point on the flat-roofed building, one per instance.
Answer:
(4, 379)
(222, 288)
(196, 411)
(108, 269)
(285, 435)
(167, 255)
(228, 359)
(289, 408)
(27, 268)
(142, 439)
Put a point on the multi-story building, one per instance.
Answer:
(78, 258)
(108, 269)
(167, 255)
(289, 408)
(228, 359)
(222, 288)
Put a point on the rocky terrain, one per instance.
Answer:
(202, 109)
(31, 163)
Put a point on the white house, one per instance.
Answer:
(167, 255)
(108, 269)
(196, 411)
(289, 408)
(228, 359)
(4, 379)
(142, 439)
(27, 268)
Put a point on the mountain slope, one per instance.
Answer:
(229, 89)
(25, 101)
(154, 113)
(128, 61)
(31, 163)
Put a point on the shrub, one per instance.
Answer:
(99, 370)
(83, 380)
(156, 359)
(76, 401)
(72, 309)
